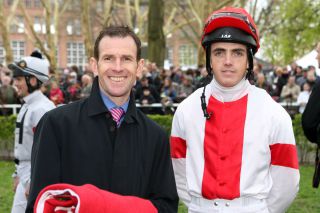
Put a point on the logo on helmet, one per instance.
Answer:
(226, 35)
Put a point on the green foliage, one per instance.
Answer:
(304, 146)
(7, 134)
(7, 130)
(294, 31)
(163, 120)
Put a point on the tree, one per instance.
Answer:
(189, 17)
(156, 39)
(293, 30)
(86, 27)
(4, 28)
(53, 10)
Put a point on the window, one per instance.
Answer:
(76, 54)
(37, 4)
(188, 55)
(2, 54)
(39, 25)
(169, 55)
(28, 3)
(73, 27)
(77, 27)
(69, 27)
(18, 50)
(18, 25)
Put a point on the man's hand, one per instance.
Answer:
(26, 193)
(15, 183)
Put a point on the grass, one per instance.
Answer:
(6, 186)
(307, 200)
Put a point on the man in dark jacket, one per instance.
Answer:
(104, 140)
(311, 123)
(311, 115)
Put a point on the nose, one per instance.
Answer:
(228, 59)
(15, 82)
(117, 65)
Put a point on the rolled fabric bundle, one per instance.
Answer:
(67, 198)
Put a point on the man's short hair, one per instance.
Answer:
(117, 31)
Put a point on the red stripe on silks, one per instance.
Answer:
(223, 144)
(284, 155)
(178, 147)
(33, 129)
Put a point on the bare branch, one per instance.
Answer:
(12, 11)
(64, 6)
(169, 20)
(196, 15)
(179, 26)
(34, 34)
(108, 5)
(128, 13)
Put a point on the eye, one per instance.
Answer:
(127, 58)
(218, 53)
(107, 58)
(238, 53)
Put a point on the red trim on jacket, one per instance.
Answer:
(284, 155)
(178, 147)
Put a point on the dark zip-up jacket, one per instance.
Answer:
(79, 143)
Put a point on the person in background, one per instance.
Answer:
(104, 140)
(303, 97)
(86, 85)
(278, 82)
(7, 92)
(28, 74)
(185, 88)
(232, 146)
(290, 91)
(56, 94)
(263, 84)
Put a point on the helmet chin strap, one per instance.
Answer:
(31, 88)
(249, 74)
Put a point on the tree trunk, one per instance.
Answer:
(5, 38)
(156, 39)
(4, 28)
(86, 28)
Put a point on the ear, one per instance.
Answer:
(94, 65)
(33, 81)
(140, 68)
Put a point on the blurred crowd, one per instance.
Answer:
(290, 84)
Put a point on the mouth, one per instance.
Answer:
(116, 79)
(227, 72)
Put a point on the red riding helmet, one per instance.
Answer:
(231, 25)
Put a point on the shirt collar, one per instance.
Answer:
(110, 104)
(96, 105)
(32, 96)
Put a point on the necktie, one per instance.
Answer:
(117, 114)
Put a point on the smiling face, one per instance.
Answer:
(229, 62)
(117, 67)
(21, 85)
